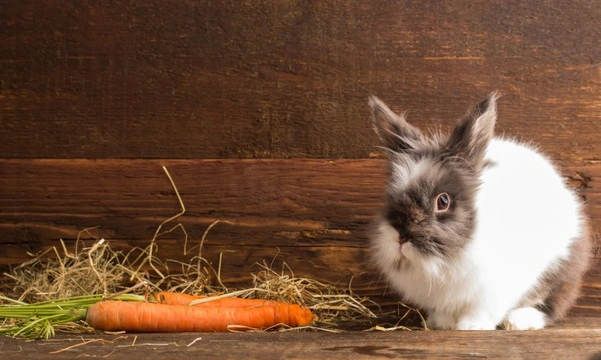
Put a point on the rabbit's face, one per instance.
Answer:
(429, 209)
(429, 213)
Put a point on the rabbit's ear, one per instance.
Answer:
(394, 131)
(471, 136)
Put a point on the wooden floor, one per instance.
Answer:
(578, 338)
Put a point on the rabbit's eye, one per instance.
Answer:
(443, 201)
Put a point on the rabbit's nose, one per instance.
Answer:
(403, 240)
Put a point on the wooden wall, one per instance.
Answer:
(258, 110)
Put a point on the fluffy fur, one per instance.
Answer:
(508, 248)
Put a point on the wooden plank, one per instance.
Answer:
(582, 341)
(206, 79)
(312, 214)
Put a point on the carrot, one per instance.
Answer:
(111, 315)
(173, 298)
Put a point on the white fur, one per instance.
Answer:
(405, 169)
(526, 318)
(526, 221)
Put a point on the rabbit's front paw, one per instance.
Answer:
(441, 321)
(526, 318)
(476, 324)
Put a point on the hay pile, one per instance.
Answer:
(99, 269)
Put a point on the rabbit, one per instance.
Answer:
(479, 231)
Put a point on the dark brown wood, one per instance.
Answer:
(236, 81)
(311, 214)
(215, 79)
(574, 340)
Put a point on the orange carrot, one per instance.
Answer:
(112, 315)
(173, 298)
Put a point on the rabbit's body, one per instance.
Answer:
(509, 244)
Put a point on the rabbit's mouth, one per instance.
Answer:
(410, 255)
(426, 246)
(403, 240)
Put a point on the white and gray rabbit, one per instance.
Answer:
(479, 231)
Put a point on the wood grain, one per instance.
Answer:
(265, 79)
(574, 340)
(312, 214)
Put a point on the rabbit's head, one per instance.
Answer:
(429, 209)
